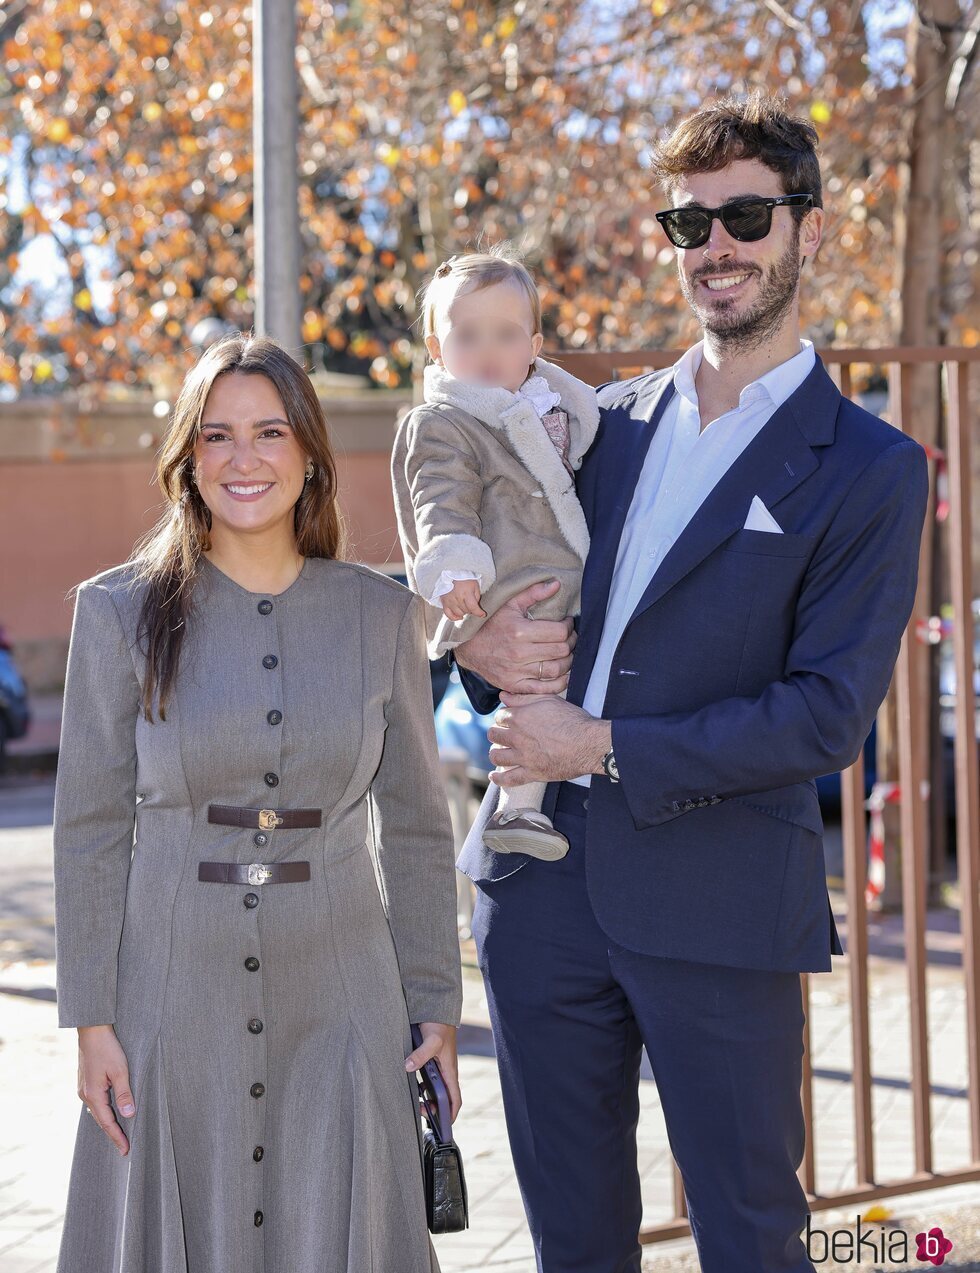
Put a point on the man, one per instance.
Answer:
(752, 567)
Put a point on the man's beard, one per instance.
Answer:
(739, 330)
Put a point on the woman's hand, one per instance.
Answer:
(439, 1041)
(102, 1065)
(519, 654)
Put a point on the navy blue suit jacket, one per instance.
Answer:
(753, 663)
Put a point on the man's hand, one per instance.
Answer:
(542, 738)
(519, 654)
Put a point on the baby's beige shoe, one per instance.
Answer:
(524, 831)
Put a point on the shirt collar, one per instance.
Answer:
(778, 384)
(540, 394)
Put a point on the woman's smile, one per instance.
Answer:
(247, 491)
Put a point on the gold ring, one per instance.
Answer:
(540, 669)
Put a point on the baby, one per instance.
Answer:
(483, 476)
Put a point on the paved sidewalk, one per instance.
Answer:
(40, 1111)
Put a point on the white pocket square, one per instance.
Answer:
(760, 518)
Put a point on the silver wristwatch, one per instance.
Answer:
(610, 767)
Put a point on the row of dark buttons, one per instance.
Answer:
(702, 802)
(258, 1153)
(274, 717)
(251, 900)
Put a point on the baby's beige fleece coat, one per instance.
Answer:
(479, 486)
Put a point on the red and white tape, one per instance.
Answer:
(882, 793)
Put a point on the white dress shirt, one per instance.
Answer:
(682, 466)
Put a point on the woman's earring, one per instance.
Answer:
(310, 470)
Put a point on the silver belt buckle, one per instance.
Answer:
(259, 873)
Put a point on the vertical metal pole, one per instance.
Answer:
(275, 134)
(912, 772)
(967, 793)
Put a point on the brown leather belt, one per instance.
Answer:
(236, 815)
(254, 873)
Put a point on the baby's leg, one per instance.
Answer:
(527, 796)
(519, 826)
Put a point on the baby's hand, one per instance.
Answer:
(463, 599)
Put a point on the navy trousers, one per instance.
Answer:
(571, 1011)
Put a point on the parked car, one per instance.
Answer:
(460, 729)
(15, 715)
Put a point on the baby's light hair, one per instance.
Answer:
(472, 272)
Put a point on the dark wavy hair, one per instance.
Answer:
(167, 559)
(758, 126)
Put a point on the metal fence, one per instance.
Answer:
(896, 367)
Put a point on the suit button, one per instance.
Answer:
(585, 803)
(272, 780)
(257, 1090)
(258, 1153)
(255, 1026)
(270, 661)
(251, 901)
(265, 607)
(274, 717)
(252, 964)
(260, 838)
(258, 1218)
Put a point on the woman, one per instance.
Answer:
(244, 715)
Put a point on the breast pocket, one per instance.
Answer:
(768, 543)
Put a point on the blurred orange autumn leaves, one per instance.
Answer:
(125, 153)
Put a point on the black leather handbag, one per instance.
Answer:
(446, 1203)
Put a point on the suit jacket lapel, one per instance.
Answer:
(776, 461)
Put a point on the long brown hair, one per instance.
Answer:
(167, 558)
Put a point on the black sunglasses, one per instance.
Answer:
(745, 219)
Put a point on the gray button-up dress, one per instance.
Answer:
(266, 1027)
